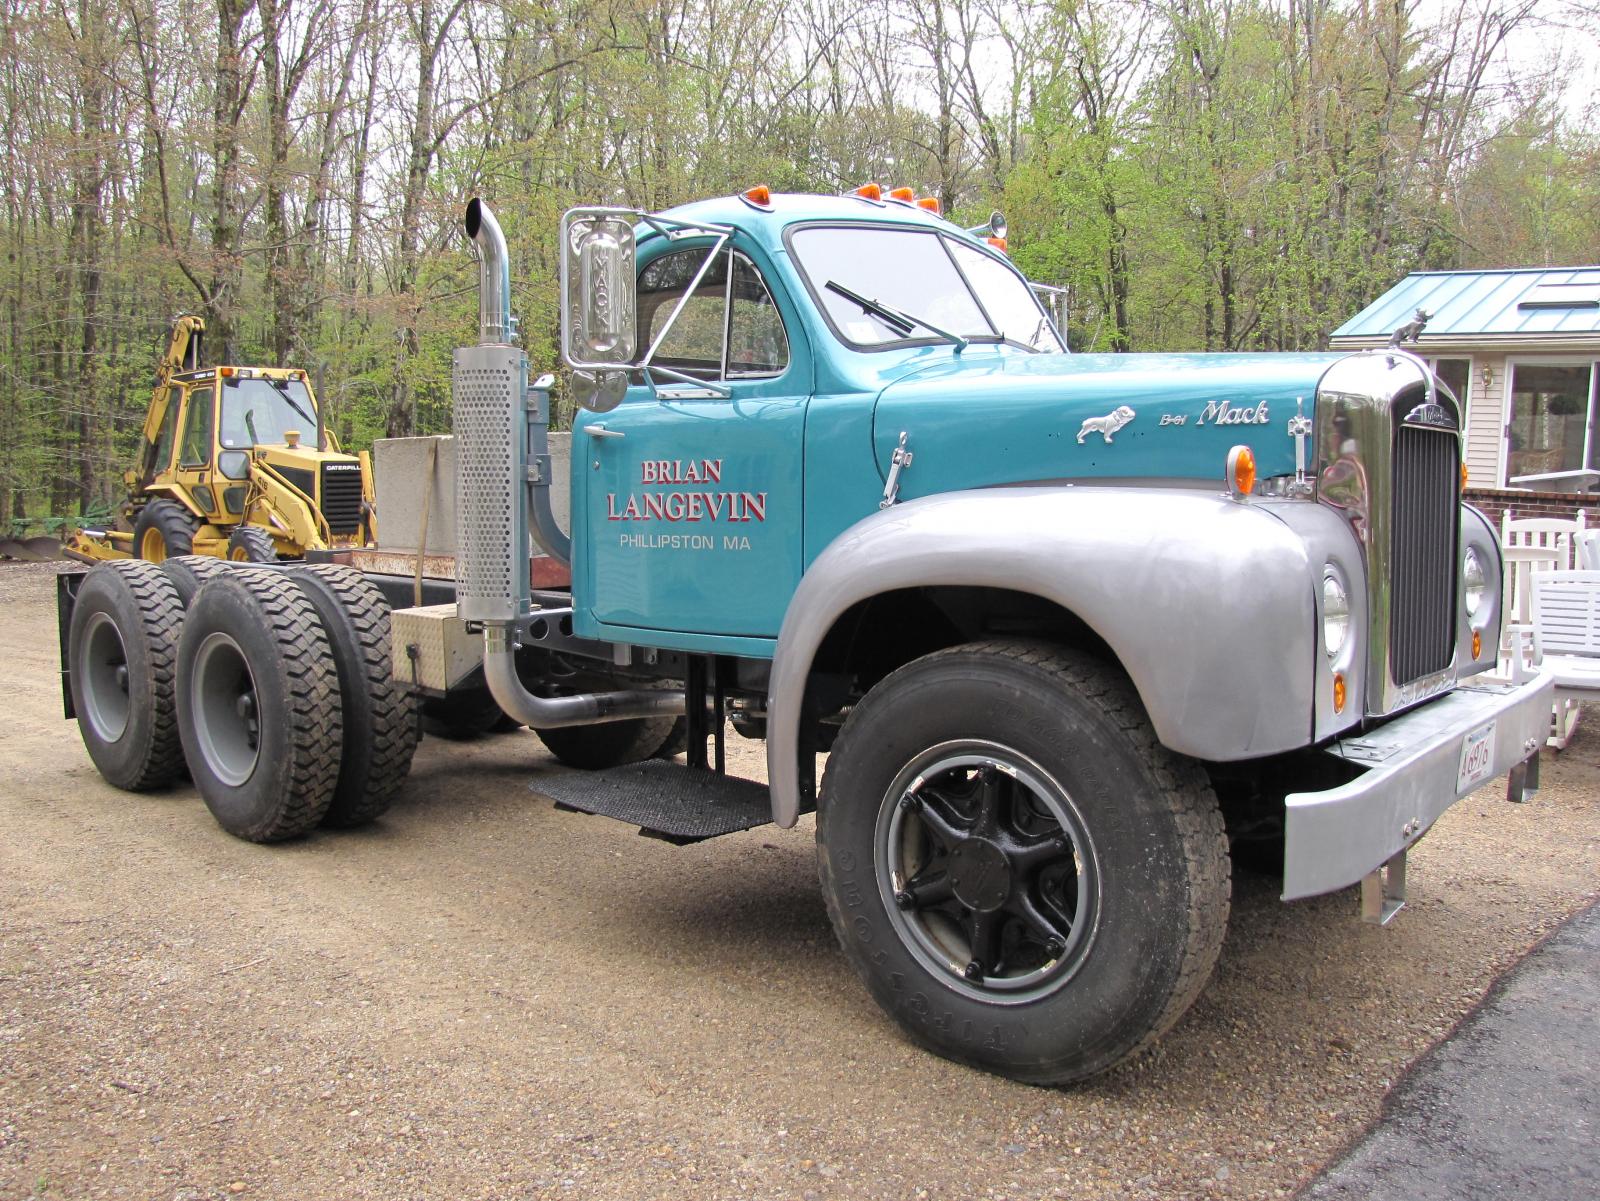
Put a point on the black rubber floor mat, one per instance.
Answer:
(664, 799)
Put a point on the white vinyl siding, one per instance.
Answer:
(1486, 423)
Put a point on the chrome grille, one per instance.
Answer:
(341, 497)
(1426, 524)
(491, 541)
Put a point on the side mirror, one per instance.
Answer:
(598, 391)
(599, 302)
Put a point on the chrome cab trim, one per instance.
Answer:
(1358, 416)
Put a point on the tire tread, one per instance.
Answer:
(160, 613)
(1183, 783)
(391, 706)
(314, 725)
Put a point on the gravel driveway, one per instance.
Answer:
(484, 997)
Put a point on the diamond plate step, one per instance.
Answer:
(664, 799)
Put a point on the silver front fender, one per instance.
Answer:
(1208, 603)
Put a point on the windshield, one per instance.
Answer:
(257, 412)
(947, 284)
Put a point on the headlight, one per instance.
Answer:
(1335, 613)
(1473, 582)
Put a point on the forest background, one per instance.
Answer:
(1220, 174)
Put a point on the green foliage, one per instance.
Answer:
(1239, 175)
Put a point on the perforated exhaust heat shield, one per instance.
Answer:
(488, 387)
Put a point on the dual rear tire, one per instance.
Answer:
(123, 652)
(277, 693)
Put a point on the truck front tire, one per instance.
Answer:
(1024, 878)
(122, 648)
(258, 706)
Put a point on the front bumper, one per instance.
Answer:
(1335, 838)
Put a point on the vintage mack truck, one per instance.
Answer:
(1064, 625)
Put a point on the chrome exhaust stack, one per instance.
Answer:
(503, 490)
(496, 325)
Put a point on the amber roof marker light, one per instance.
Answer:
(869, 191)
(930, 203)
(759, 197)
(903, 195)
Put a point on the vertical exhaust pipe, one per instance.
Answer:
(496, 325)
(496, 443)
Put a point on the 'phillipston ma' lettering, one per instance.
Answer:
(685, 505)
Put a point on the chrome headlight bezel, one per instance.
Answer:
(1474, 582)
(1335, 611)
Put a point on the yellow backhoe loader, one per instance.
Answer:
(227, 469)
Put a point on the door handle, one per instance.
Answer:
(600, 431)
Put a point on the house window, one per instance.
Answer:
(1550, 427)
(1457, 373)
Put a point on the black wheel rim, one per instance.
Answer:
(988, 871)
(227, 723)
(105, 678)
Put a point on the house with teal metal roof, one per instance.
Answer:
(1522, 348)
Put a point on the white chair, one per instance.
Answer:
(1588, 551)
(1530, 545)
(1565, 632)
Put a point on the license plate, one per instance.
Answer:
(1477, 758)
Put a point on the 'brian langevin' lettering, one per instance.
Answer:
(687, 506)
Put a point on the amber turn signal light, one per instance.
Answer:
(904, 195)
(998, 243)
(869, 191)
(1241, 473)
(1338, 692)
(1477, 644)
(1463, 475)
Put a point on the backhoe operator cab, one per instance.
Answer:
(235, 462)
(238, 446)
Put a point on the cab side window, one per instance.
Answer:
(727, 329)
(757, 345)
(197, 438)
(161, 454)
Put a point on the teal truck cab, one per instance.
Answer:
(1063, 622)
(1073, 632)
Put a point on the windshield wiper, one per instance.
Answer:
(901, 322)
(282, 385)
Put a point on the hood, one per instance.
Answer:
(1004, 418)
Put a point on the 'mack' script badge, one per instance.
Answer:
(1220, 412)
